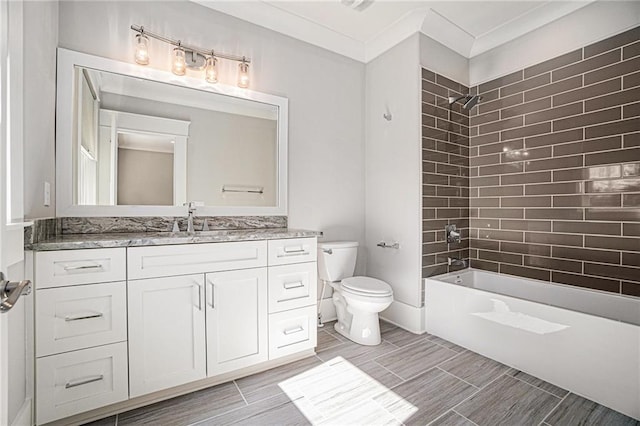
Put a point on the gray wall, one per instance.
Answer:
(145, 178)
(325, 91)
(40, 41)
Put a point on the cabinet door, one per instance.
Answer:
(236, 319)
(166, 332)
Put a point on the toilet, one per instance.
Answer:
(357, 299)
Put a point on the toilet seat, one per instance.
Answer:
(366, 286)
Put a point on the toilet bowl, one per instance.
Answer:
(358, 300)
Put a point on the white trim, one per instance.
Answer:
(24, 417)
(409, 317)
(68, 59)
(143, 123)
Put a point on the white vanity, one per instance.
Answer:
(132, 325)
(124, 323)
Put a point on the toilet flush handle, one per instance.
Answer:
(328, 251)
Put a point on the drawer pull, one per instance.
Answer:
(297, 329)
(77, 268)
(84, 381)
(83, 317)
(289, 286)
(294, 250)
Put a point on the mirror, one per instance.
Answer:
(138, 141)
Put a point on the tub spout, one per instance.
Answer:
(452, 261)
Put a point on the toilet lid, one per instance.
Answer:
(366, 285)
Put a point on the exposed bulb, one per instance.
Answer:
(179, 66)
(211, 70)
(142, 50)
(243, 75)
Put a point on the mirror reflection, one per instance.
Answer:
(143, 142)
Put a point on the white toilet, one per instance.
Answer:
(357, 299)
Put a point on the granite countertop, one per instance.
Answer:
(137, 239)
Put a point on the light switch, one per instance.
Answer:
(47, 194)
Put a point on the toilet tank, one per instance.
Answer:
(337, 260)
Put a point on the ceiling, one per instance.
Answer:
(467, 27)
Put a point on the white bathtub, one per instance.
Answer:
(587, 342)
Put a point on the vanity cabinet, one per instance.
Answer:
(80, 331)
(236, 319)
(293, 288)
(120, 323)
(166, 332)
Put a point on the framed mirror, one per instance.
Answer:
(135, 141)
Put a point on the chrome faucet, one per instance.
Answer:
(191, 213)
(452, 261)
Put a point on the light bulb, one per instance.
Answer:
(179, 66)
(243, 75)
(211, 70)
(142, 51)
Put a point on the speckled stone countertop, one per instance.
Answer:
(137, 239)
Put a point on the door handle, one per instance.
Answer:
(199, 287)
(289, 286)
(77, 268)
(11, 291)
(294, 330)
(210, 284)
(80, 317)
(85, 381)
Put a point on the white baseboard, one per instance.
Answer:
(406, 316)
(23, 418)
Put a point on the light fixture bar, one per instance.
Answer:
(204, 52)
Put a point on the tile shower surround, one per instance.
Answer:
(445, 173)
(554, 170)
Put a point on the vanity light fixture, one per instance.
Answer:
(142, 49)
(190, 57)
(178, 64)
(211, 69)
(243, 75)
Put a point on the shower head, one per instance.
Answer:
(469, 100)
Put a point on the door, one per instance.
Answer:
(16, 353)
(166, 332)
(236, 319)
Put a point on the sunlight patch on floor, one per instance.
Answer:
(339, 393)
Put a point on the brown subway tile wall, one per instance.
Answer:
(555, 169)
(445, 167)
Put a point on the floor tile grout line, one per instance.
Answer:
(429, 369)
(382, 366)
(478, 391)
(414, 344)
(392, 344)
(554, 408)
(538, 387)
(240, 392)
(199, 422)
(464, 417)
(459, 378)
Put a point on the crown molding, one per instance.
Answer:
(425, 20)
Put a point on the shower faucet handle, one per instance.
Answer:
(453, 235)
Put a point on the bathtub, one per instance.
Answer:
(585, 341)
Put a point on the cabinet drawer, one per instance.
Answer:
(292, 286)
(292, 331)
(150, 262)
(73, 267)
(70, 318)
(293, 250)
(79, 381)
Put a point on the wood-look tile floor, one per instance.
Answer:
(442, 383)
